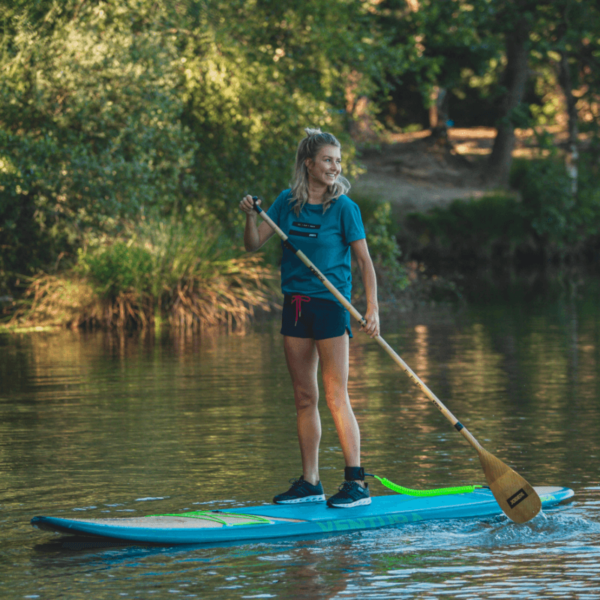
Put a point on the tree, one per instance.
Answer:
(259, 72)
(515, 22)
(90, 127)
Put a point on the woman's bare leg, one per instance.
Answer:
(334, 355)
(302, 361)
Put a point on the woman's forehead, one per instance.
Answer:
(332, 151)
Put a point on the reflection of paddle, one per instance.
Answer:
(516, 497)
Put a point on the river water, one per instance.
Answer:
(98, 424)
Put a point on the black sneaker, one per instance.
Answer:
(351, 494)
(301, 491)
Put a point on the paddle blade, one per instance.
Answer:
(517, 499)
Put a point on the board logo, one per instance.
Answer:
(517, 498)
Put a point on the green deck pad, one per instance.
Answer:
(464, 489)
(216, 516)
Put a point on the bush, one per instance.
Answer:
(385, 251)
(546, 223)
(547, 202)
(90, 129)
(562, 222)
(471, 231)
(185, 272)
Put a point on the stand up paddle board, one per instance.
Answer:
(282, 521)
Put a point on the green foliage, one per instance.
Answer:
(451, 46)
(562, 223)
(116, 268)
(114, 108)
(386, 252)
(470, 231)
(547, 201)
(384, 249)
(110, 111)
(90, 128)
(152, 256)
(183, 270)
(258, 73)
(547, 222)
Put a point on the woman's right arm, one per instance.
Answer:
(255, 235)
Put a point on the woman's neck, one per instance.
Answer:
(316, 191)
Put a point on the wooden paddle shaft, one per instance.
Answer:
(455, 422)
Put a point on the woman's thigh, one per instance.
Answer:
(302, 361)
(334, 356)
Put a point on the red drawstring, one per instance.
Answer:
(298, 299)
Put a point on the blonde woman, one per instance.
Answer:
(325, 224)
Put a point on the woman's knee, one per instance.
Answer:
(337, 399)
(335, 385)
(306, 397)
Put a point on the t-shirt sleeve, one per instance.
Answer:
(352, 224)
(276, 209)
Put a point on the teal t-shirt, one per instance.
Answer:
(324, 238)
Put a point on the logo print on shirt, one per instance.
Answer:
(304, 233)
(305, 225)
(307, 234)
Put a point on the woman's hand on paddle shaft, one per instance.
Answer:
(372, 326)
(255, 234)
(247, 205)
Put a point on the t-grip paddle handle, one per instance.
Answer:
(257, 208)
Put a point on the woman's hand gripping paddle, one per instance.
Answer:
(516, 497)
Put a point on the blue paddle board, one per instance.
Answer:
(281, 521)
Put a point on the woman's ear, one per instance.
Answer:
(308, 163)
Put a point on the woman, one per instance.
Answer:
(324, 223)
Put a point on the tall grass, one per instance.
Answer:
(185, 272)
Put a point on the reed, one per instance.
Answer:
(183, 272)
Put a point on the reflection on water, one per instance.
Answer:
(101, 424)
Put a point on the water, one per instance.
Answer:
(101, 424)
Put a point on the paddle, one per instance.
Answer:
(516, 497)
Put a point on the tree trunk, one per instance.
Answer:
(564, 77)
(515, 78)
(438, 113)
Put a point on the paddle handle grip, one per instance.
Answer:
(397, 359)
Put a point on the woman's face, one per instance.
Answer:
(327, 165)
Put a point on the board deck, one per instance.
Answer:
(279, 521)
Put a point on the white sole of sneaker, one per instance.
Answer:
(362, 502)
(320, 498)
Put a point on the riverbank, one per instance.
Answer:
(444, 210)
(429, 218)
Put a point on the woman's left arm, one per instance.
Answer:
(367, 271)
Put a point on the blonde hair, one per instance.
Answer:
(309, 147)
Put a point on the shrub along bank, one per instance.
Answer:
(182, 271)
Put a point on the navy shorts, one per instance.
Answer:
(315, 318)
